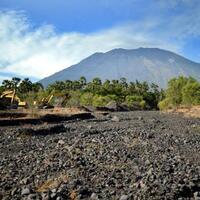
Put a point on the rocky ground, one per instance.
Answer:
(122, 156)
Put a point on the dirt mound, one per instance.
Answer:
(12, 115)
(47, 118)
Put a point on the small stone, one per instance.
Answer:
(25, 191)
(53, 195)
(61, 142)
(193, 126)
(54, 190)
(31, 196)
(149, 135)
(89, 127)
(197, 196)
(147, 162)
(124, 197)
(45, 196)
(14, 191)
(115, 119)
(150, 171)
(94, 196)
(140, 118)
(24, 181)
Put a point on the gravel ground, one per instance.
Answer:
(122, 156)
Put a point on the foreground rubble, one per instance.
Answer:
(129, 155)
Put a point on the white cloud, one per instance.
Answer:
(182, 19)
(41, 51)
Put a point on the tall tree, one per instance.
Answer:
(25, 86)
(82, 81)
(15, 81)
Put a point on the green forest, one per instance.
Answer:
(180, 91)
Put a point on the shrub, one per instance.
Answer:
(86, 99)
(135, 102)
(100, 100)
(191, 94)
(181, 91)
(113, 97)
(74, 98)
(130, 100)
(143, 104)
(165, 104)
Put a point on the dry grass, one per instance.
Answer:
(52, 183)
(73, 195)
(193, 111)
(61, 111)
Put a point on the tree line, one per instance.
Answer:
(133, 95)
(21, 86)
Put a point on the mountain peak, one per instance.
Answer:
(143, 64)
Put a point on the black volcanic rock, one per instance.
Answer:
(143, 64)
(104, 159)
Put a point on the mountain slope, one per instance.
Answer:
(143, 64)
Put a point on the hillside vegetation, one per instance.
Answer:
(130, 95)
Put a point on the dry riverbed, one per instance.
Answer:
(119, 156)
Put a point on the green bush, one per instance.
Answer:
(165, 104)
(74, 99)
(86, 99)
(112, 97)
(30, 98)
(100, 100)
(181, 91)
(142, 104)
(131, 100)
(174, 90)
(191, 93)
(135, 102)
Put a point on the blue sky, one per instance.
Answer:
(38, 38)
(79, 15)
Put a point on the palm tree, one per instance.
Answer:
(25, 86)
(82, 81)
(7, 84)
(96, 81)
(15, 82)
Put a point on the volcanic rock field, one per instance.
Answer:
(119, 156)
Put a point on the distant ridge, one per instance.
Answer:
(143, 64)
